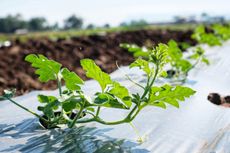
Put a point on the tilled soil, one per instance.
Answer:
(218, 99)
(105, 50)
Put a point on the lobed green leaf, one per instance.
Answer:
(159, 55)
(71, 104)
(46, 99)
(93, 71)
(207, 38)
(136, 50)
(174, 51)
(176, 57)
(169, 94)
(122, 93)
(51, 104)
(46, 69)
(72, 80)
(143, 65)
(108, 100)
(222, 31)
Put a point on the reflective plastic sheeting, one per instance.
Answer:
(197, 127)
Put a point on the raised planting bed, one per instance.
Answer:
(198, 126)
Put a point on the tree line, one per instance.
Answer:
(14, 23)
(11, 23)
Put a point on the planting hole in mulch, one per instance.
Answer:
(170, 73)
(217, 99)
(46, 126)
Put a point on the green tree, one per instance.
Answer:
(73, 22)
(11, 23)
(90, 26)
(134, 23)
(106, 25)
(37, 24)
(138, 23)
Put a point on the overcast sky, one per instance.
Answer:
(113, 11)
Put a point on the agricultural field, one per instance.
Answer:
(104, 49)
(114, 83)
(164, 55)
(96, 31)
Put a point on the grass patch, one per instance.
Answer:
(85, 32)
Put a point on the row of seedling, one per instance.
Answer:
(73, 106)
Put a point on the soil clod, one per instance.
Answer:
(217, 99)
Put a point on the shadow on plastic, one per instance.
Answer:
(78, 140)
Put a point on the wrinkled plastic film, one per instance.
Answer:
(197, 127)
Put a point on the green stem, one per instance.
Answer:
(26, 109)
(148, 80)
(187, 71)
(129, 117)
(92, 114)
(194, 65)
(148, 87)
(132, 111)
(132, 118)
(99, 120)
(65, 116)
(77, 117)
(129, 77)
(86, 120)
(59, 117)
(139, 109)
(134, 82)
(98, 110)
(59, 86)
(110, 123)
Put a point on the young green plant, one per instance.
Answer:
(180, 66)
(73, 106)
(202, 37)
(221, 31)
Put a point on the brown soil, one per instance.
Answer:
(16, 73)
(217, 99)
